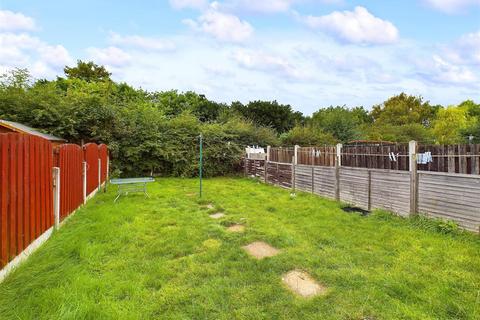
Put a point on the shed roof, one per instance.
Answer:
(18, 127)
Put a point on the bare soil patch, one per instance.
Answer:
(302, 284)
(217, 215)
(260, 250)
(238, 228)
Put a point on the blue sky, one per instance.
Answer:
(309, 53)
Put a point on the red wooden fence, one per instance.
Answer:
(69, 158)
(103, 155)
(91, 158)
(26, 192)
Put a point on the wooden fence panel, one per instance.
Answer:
(255, 168)
(103, 156)
(304, 178)
(69, 158)
(317, 156)
(284, 175)
(284, 155)
(90, 151)
(354, 187)
(376, 157)
(26, 192)
(464, 159)
(390, 190)
(450, 196)
(324, 181)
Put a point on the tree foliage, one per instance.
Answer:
(271, 114)
(87, 71)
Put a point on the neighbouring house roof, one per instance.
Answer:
(20, 128)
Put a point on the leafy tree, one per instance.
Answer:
(307, 136)
(342, 123)
(401, 133)
(269, 114)
(448, 125)
(87, 71)
(404, 109)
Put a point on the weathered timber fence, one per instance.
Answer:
(39, 187)
(446, 195)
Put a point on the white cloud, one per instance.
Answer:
(55, 56)
(12, 21)
(111, 56)
(264, 6)
(223, 26)
(452, 6)
(256, 60)
(145, 43)
(193, 4)
(466, 50)
(268, 6)
(358, 26)
(24, 50)
(439, 70)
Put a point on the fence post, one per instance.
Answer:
(412, 155)
(268, 153)
(84, 171)
(369, 203)
(99, 174)
(56, 196)
(107, 175)
(294, 161)
(338, 163)
(339, 154)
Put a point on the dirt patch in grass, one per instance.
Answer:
(260, 250)
(191, 194)
(237, 228)
(217, 215)
(302, 284)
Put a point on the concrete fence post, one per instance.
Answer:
(338, 163)
(56, 196)
(268, 153)
(99, 174)
(295, 152)
(412, 155)
(84, 171)
(339, 154)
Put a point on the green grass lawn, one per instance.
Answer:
(165, 258)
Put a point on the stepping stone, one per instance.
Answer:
(217, 215)
(192, 194)
(238, 228)
(260, 250)
(302, 284)
(208, 206)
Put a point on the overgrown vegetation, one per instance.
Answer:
(157, 132)
(164, 258)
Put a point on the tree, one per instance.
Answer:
(87, 71)
(404, 109)
(307, 136)
(269, 114)
(342, 123)
(448, 125)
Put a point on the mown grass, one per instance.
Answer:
(164, 258)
